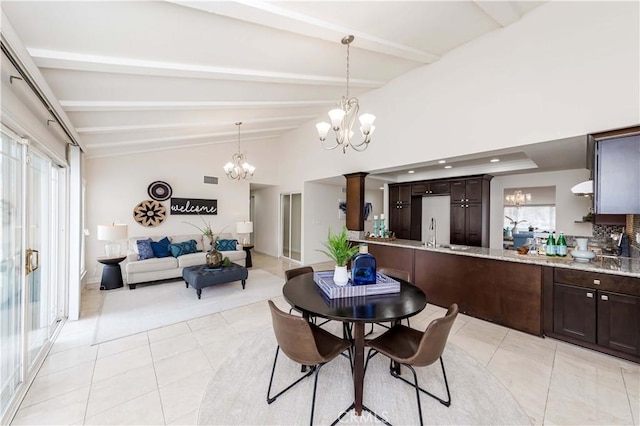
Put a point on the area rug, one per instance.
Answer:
(126, 312)
(237, 393)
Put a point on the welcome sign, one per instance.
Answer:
(194, 206)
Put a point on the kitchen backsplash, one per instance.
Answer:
(632, 227)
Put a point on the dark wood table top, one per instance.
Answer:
(303, 294)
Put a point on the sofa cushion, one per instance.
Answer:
(192, 259)
(144, 249)
(161, 248)
(226, 245)
(185, 247)
(152, 265)
(235, 255)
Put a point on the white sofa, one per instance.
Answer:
(154, 269)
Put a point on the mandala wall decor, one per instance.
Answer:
(159, 191)
(149, 213)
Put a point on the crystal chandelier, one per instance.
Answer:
(517, 198)
(237, 168)
(344, 117)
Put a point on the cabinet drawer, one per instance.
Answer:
(608, 282)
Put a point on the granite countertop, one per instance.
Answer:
(618, 266)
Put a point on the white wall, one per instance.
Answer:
(565, 69)
(115, 185)
(320, 213)
(569, 207)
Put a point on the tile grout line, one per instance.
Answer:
(633, 419)
(155, 374)
(546, 400)
(93, 372)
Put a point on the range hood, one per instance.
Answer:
(584, 189)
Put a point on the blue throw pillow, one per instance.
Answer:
(161, 248)
(185, 247)
(144, 249)
(226, 245)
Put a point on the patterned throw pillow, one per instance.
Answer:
(144, 249)
(226, 245)
(185, 247)
(161, 248)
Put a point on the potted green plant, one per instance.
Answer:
(340, 250)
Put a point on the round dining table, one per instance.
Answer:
(304, 295)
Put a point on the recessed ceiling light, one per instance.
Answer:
(382, 187)
(411, 171)
(494, 160)
(448, 167)
(442, 161)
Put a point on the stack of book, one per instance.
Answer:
(383, 285)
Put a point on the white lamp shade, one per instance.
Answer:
(113, 232)
(366, 121)
(244, 227)
(336, 116)
(323, 129)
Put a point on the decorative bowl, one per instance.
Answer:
(582, 255)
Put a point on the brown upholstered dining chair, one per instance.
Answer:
(292, 273)
(393, 273)
(413, 348)
(304, 343)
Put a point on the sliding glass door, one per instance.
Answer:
(31, 269)
(291, 213)
(11, 269)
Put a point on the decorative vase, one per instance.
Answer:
(214, 258)
(340, 275)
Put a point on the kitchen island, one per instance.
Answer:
(594, 304)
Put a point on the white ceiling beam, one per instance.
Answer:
(80, 106)
(503, 12)
(270, 15)
(45, 58)
(117, 129)
(177, 138)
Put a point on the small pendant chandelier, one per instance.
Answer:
(517, 198)
(344, 117)
(238, 168)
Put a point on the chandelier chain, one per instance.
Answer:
(348, 45)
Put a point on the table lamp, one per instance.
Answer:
(113, 233)
(244, 228)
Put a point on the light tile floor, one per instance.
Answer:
(159, 377)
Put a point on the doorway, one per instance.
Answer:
(291, 220)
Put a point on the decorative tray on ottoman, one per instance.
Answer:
(383, 285)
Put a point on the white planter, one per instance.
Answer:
(340, 275)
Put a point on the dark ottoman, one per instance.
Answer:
(202, 276)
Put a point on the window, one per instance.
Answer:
(542, 218)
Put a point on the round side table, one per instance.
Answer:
(111, 274)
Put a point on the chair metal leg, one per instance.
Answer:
(446, 403)
(270, 399)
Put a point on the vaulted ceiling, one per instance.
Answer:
(139, 76)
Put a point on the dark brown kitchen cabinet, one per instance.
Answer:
(619, 322)
(595, 310)
(574, 312)
(431, 188)
(466, 227)
(470, 211)
(400, 210)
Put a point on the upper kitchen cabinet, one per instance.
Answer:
(617, 173)
(428, 188)
(470, 211)
(400, 194)
(469, 190)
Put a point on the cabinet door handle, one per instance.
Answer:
(596, 282)
(589, 295)
(604, 297)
